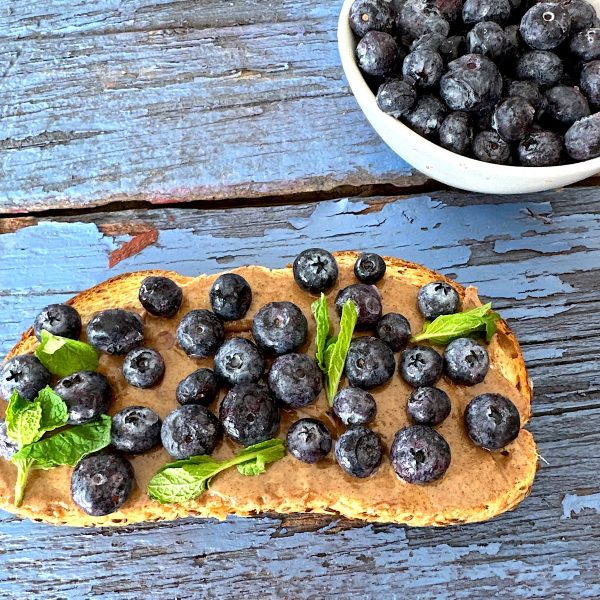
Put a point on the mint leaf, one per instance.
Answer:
(55, 412)
(259, 456)
(446, 328)
(176, 484)
(23, 467)
(23, 420)
(63, 356)
(321, 314)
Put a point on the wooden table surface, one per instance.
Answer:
(203, 135)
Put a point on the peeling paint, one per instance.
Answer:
(573, 504)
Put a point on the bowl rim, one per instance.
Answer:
(359, 88)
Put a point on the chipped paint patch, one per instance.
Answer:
(134, 246)
(574, 504)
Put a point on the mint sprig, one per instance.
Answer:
(185, 480)
(321, 315)
(63, 356)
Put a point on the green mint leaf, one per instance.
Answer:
(321, 314)
(176, 484)
(260, 455)
(55, 412)
(446, 328)
(63, 356)
(23, 467)
(23, 420)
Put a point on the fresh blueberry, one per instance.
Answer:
(545, 26)
(489, 147)
(545, 68)
(565, 105)
(449, 9)
(472, 83)
(419, 454)
(423, 68)
(372, 15)
(199, 387)
(378, 54)
(200, 333)
(87, 395)
(24, 374)
(513, 118)
(583, 14)
(190, 430)
(354, 406)
(582, 140)
(396, 97)
(427, 116)
(456, 133)
(295, 380)
(279, 327)
(369, 268)
(590, 82)
(449, 48)
(315, 270)
(418, 17)
(530, 91)
(115, 331)
(586, 44)
(437, 298)
(540, 149)
(394, 330)
(428, 405)
(239, 361)
(135, 429)
(143, 367)
(369, 362)
(249, 414)
(513, 46)
(367, 300)
(101, 483)
(420, 365)
(492, 421)
(160, 296)
(7, 445)
(487, 38)
(455, 46)
(466, 361)
(58, 319)
(308, 440)
(476, 11)
(358, 451)
(230, 296)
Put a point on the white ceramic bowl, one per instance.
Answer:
(438, 163)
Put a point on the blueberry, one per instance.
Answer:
(239, 361)
(199, 387)
(378, 54)
(472, 83)
(437, 298)
(295, 380)
(449, 9)
(590, 82)
(200, 333)
(369, 362)
(540, 149)
(143, 367)
(513, 118)
(418, 17)
(545, 26)
(394, 330)
(428, 405)
(367, 300)
(586, 44)
(315, 270)
(354, 406)
(475, 11)
(87, 394)
(7, 446)
(419, 454)
(583, 15)
(466, 361)
(230, 296)
(487, 38)
(420, 365)
(24, 374)
(545, 68)
(456, 133)
(530, 91)
(160, 296)
(492, 421)
(372, 15)
(308, 440)
(449, 48)
(582, 140)
(565, 105)
(58, 319)
(249, 414)
(427, 116)
(513, 46)
(190, 430)
(101, 483)
(135, 429)
(489, 147)
(358, 451)
(455, 47)
(423, 68)
(279, 327)
(396, 97)
(115, 331)
(369, 268)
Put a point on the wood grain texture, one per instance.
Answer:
(537, 257)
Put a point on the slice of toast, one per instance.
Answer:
(478, 485)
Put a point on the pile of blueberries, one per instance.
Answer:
(264, 376)
(503, 81)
